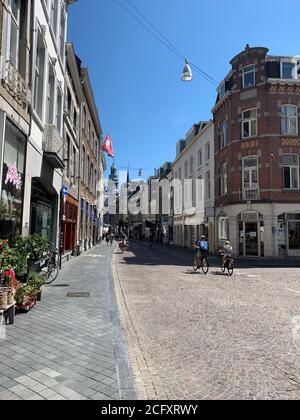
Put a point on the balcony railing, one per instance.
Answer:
(14, 83)
(53, 147)
(250, 194)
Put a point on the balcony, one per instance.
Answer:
(14, 83)
(53, 147)
(250, 194)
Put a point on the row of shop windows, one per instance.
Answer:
(252, 234)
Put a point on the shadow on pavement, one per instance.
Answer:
(172, 255)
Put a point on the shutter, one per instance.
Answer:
(273, 69)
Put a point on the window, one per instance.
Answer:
(223, 179)
(249, 76)
(62, 33)
(199, 157)
(288, 70)
(13, 170)
(208, 186)
(186, 169)
(59, 110)
(223, 228)
(39, 75)
(50, 95)
(179, 173)
(223, 134)
(192, 164)
(207, 151)
(250, 178)
(54, 15)
(13, 26)
(249, 123)
(83, 163)
(290, 172)
(74, 164)
(75, 120)
(289, 119)
(68, 156)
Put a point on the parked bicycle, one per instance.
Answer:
(200, 261)
(51, 267)
(227, 263)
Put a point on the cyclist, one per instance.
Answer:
(228, 251)
(202, 246)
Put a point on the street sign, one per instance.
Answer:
(65, 191)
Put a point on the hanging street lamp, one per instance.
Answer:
(187, 74)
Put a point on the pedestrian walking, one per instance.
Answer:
(107, 239)
(111, 239)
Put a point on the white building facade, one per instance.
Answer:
(45, 148)
(195, 161)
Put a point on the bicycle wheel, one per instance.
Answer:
(223, 267)
(205, 265)
(195, 263)
(230, 269)
(52, 273)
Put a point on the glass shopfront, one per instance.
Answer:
(43, 207)
(11, 203)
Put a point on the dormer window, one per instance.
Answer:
(249, 76)
(288, 70)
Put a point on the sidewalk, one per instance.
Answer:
(69, 347)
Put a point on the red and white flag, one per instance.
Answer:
(107, 146)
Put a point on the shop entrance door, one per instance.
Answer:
(250, 239)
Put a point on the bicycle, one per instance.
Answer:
(227, 263)
(204, 262)
(52, 267)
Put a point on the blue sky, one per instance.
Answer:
(140, 97)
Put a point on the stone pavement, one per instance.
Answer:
(192, 336)
(69, 348)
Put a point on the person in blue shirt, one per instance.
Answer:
(202, 245)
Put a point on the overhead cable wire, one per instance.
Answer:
(162, 38)
(202, 72)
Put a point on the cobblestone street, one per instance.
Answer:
(69, 347)
(209, 337)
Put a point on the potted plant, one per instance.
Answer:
(26, 297)
(36, 281)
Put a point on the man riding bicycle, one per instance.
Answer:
(202, 246)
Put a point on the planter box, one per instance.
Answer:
(26, 307)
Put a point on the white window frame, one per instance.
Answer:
(285, 116)
(207, 152)
(208, 185)
(251, 68)
(199, 158)
(249, 121)
(62, 31)
(251, 169)
(11, 18)
(289, 61)
(223, 228)
(291, 167)
(40, 72)
(50, 95)
(59, 115)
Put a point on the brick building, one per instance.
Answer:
(257, 147)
